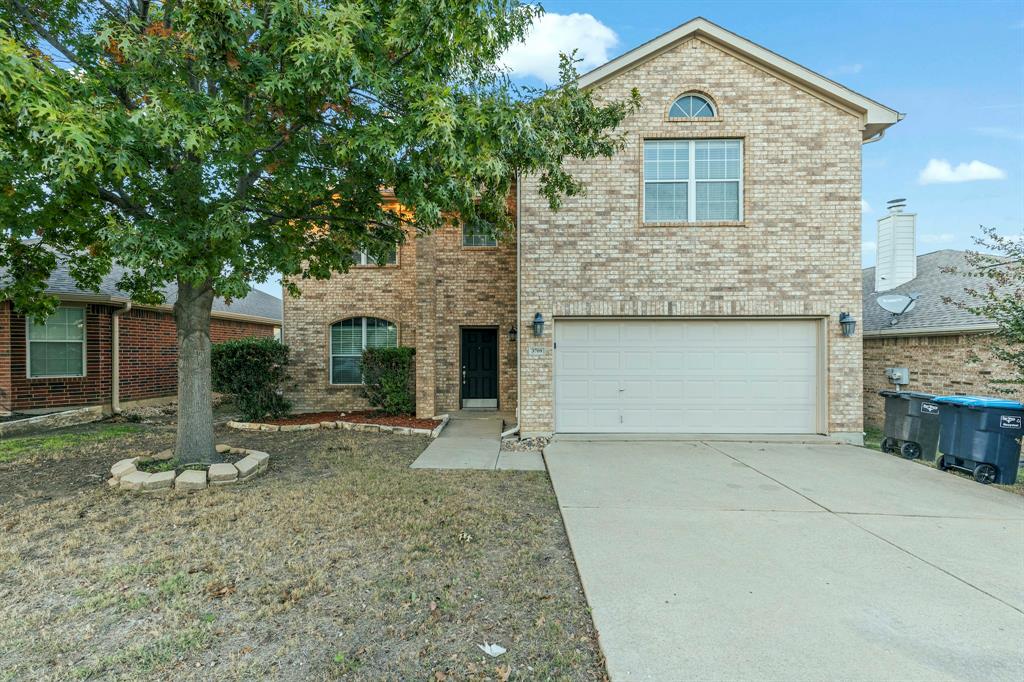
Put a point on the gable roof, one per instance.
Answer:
(257, 306)
(876, 117)
(930, 315)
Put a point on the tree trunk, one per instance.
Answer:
(195, 398)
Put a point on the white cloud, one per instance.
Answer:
(944, 238)
(552, 34)
(865, 207)
(869, 246)
(847, 69)
(1001, 133)
(940, 170)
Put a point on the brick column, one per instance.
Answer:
(6, 394)
(426, 327)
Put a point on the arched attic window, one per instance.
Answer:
(349, 338)
(692, 105)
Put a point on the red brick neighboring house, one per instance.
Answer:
(947, 350)
(73, 358)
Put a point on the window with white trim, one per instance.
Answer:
(349, 338)
(693, 180)
(56, 345)
(364, 258)
(478, 236)
(692, 106)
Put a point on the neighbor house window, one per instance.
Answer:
(692, 180)
(692, 106)
(477, 236)
(56, 345)
(349, 338)
(364, 258)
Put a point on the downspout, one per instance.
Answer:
(519, 290)
(115, 358)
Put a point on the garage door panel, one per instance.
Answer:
(686, 376)
(603, 389)
(605, 360)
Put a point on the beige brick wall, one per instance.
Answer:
(437, 288)
(796, 253)
(945, 365)
(385, 292)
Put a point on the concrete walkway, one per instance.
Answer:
(779, 561)
(472, 440)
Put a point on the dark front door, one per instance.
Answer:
(479, 367)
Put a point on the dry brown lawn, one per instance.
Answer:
(341, 562)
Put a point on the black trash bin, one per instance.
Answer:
(911, 424)
(981, 435)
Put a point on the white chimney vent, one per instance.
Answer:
(897, 247)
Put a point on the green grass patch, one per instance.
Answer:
(873, 438)
(157, 467)
(13, 448)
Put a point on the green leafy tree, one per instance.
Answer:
(211, 143)
(998, 268)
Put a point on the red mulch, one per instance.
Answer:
(360, 416)
(372, 417)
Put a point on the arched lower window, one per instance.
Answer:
(692, 106)
(349, 338)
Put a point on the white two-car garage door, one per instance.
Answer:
(686, 376)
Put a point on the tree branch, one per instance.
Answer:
(124, 204)
(46, 35)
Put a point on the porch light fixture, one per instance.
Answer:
(512, 334)
(848, 324)
(538, 325)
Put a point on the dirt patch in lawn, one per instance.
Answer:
(340, 562)
(358, 417)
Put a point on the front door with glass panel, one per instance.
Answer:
(480, 367)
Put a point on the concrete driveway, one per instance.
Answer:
(775, 561)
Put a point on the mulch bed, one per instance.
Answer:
(359, 417)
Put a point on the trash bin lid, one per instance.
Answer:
(906, 395)
(980, 401)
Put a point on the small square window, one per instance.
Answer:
(478, 236)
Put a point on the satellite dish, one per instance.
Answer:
(897, 304)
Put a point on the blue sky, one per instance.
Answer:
(956, 69)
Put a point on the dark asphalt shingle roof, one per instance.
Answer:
(932, 283)
(256, 303)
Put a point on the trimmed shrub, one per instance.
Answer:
(389, 379)
(252, 370)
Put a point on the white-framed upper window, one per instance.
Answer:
(692, 106)
(349, 338)
(477, 236)
(56, 345)
(363, 258)
(693, 180)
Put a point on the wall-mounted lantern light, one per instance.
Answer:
(512, 334)
(848, 324)
(538, 325)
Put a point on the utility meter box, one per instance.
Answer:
(898, 375)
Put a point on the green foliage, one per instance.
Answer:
(13, 448)
(389, 379)
(999, 296)
(253, 371)
(217, 142)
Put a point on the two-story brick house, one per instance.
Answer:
(696, 288)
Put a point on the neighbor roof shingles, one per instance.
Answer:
(255, 304)
(933, 283)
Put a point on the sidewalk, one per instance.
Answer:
(472, 440)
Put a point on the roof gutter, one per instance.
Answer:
(115, 360)
(931, 331)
